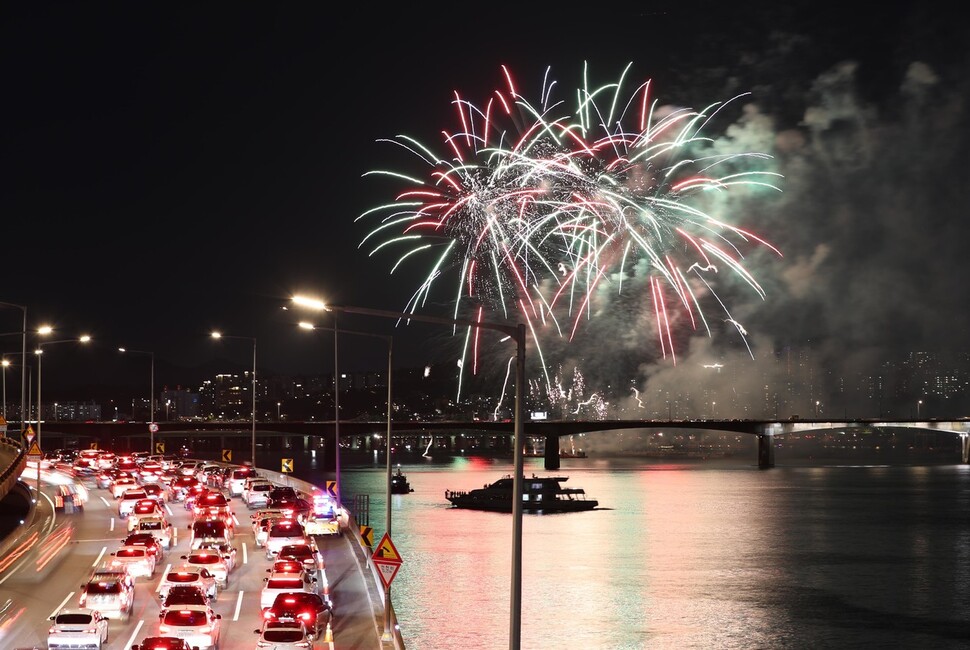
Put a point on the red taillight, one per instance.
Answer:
(305, 616)
(268, 614)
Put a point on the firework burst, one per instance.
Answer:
(535, 207)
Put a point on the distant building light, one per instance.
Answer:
(540, 415)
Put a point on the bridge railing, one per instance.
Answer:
(10, 474)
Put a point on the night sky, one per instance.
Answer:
(173, 169)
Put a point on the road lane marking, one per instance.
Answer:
(105, 502)
(235, 615)
(63, 602)
(245, 553)
(131, 639)
(111, 526)
(168, 568)
(170, 513)
(104, 550)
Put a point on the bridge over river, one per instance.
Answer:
(320, 436)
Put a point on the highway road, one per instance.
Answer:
(36, 583)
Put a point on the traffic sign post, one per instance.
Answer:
(388, 561)
(332, 489)
(159, 447)
(286, 465)
(227, 455)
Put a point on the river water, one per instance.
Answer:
(686, 554)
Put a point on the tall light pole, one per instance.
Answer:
(517, 334)
(220, 335)
(919, 405)
(23, 368)
(151, 399)
(277, 411)
(387, 483)
(5, 363)
(40, 357)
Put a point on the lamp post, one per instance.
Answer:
(219, 335)
(5, 363)
(517, 334)
(151, 398)
(40, 357)
(816, 409)
(277, 411)
(387, 484)
(919, 405)
(23, 368)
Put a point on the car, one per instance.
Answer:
(143, 508)
(126, 505)
(291, 567)
(185, 595)
(228, 552)
(284, 635)
(305, 553)
(196, 624)
(279, 583)
(181, 484)
(120, 484)
(186, 575)
(139, 560)
(77, 628)
(257, 493)
(321, 524)
(214, 531)
(263, 526)
(279, 493)
(281, 533)
(212, 560)
(159, 527)
(308, 608)
(149, 541)
(163, 643)
(296, 507)
(212, 505)
(109, 590)
(238, 478)
(157, 491)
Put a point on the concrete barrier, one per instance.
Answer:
(9, 474)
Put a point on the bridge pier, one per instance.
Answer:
(965, 447)
(552, 451)
(766, 451)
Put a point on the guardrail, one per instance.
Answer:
(10, 474)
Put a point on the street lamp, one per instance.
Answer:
(151, 399)
(390, 369)
(919, 404)
(277, 411)
(23, 368)
(816, 409)
(5, 363)
(517, 334)
(40, 357)
(219, 335)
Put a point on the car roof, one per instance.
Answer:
(74, 610)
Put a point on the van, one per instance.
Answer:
(238, 479)
(109, 590)
(209, 531)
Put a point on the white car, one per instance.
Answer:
(256, 493)
(212, 560)
(284, 635)
(77, 628)
(283, 532)
(157, 526)
(197, 625)
(228, 552)
(188, 576)
(128, 500)
(139, 561)
(281, 583)
(119, 485)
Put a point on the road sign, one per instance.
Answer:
(34, 453)
(387, 560)
(227, 455)
(153, 427)
(332, 489)
(93, 445)
(3, 425)
(29, 434)
(159, 447)
(287, 465)
(367, 534)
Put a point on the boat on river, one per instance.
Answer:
(399, 483)
(540, 494)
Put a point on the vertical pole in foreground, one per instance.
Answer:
(517, 485)
(387, 590)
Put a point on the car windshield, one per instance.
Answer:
(296, 600)
(130, 552)
(208, 528)
(162, 643)
(151, 525)
(296, 550)
(185, 617)
(205, 558)
(284, 583)
(131, 496)
(286, 530)
(73, 619)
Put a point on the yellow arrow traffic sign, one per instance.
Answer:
(159, 447)
(227, 455)
(287, 465)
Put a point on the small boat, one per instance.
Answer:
(399, 483)
(540, 494)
